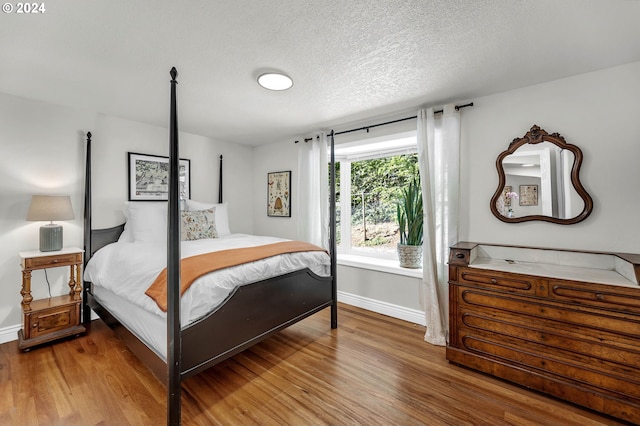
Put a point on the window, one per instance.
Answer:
(369, 176)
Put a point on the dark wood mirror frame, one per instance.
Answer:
(534, 136)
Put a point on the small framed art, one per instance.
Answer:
(279, 194)
(528, 195)
(149, 177)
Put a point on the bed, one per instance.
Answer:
(193, 338)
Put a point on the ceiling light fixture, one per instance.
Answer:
(275, 81)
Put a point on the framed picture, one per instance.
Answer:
(149, 177)
(279, 194)
(528, 195)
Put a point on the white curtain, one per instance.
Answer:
(439, 162)
(313, 191)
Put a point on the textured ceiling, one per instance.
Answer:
(350, 59)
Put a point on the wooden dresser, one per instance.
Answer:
(560, 322)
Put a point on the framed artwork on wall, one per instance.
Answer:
(528, 195)
(279, 194)
(149, 177)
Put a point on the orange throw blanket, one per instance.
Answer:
(194, 267)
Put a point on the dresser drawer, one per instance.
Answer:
(52, 261)
(460, 257)
(499, 281)
(612, 343)
(619, 299)
(532, 310)
(558, 363)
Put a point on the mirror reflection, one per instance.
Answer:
(539, 180)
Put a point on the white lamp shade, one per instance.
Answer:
(50, 207)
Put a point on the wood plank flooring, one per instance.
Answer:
(372, 370)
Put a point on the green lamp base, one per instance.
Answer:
(51, 237)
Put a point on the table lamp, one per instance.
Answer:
(50, 207)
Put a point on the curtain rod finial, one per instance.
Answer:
(173, 73)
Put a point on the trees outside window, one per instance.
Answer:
(368, 189)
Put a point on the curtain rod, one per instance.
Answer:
(457, 107)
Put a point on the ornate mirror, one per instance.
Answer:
(539, 180)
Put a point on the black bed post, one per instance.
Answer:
(86, 311)
(220, 183)
(174, 342)
(332, 234)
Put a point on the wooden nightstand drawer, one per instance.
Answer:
(51, 315)
(53, 261)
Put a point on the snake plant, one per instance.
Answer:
(410, 217)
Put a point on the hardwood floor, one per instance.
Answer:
(371, 370)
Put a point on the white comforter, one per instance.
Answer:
(129, 268)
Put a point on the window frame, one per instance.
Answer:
(345, 161)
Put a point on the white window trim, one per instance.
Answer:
(355, 255)
(377, 264)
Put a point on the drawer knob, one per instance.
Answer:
(494, 281)
(599, 296)
(34, 325)
(460, 255)
(55, 260)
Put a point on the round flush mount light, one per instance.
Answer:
(275, 81)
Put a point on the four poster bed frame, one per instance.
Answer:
(251, 313)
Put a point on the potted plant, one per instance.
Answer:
(410, 222)
(510, 196)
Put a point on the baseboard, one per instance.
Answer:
(407, 314)
(9, 334)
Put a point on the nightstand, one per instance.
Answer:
(53, 318)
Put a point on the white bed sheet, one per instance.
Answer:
(127, 269)
(147, 326)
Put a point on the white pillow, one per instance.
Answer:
(126, 235)
(222, 215)
(148, 221)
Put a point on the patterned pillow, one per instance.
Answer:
(198, 224)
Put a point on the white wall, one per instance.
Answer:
(42, 150)
(596, 111)
(276, 157)
(395, 289)
(113, 138)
